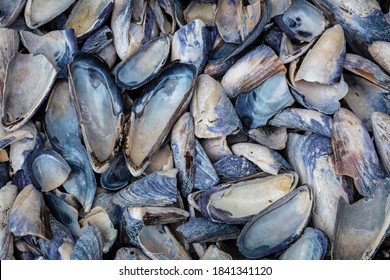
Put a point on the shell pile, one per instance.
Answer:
(167, 129)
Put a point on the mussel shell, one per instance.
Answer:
(117, 175)
(370, 216)
(89, 246)
(100, 114)
(237, 203)
(10, 10)
(191, 44)
(251, 70)
(120, 25)
(172, 91)
(380, 50)
(205, 175)
(232, 168)
(133, 73)
(255, 108)
(213, 253)
(203, 230)
(8, 195)
(87, 16)
(302, 21)
(263, 235)
(9, 45)
(159, 243)
(381, 128)
(29, 78)
(29, 215)
(354, 152)
(270, 136)
(156, 189)
(303, 119)
(125, 253)
(47, 169)
(199, 10)
(59, 47)
(213, 112)
(39, 12)
(157, 215)
(312, 245)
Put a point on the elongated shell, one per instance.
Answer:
(156, 189)
(99, 106)
(354, 152)
(8, 195)
(29, 78)
(237, 203)
(380, 52)
(10, 10)
(171, 91)
(120, 25)
(263, 235)
(133, 73)
(39, 12)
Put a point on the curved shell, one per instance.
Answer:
(10, 10)
(99, 106)
(263, 235)
(213, 112)
(237, 203)
(39, 12)
(89, 246)
(172, 90)
(88, 15)
(117, 174)
(272, 137)
(381, 128)
(29, 78)
(380, 52)
(133, 73)
(232, 168)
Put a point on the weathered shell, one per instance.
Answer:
(365, 98)
(162, 160)
(232, 167)
(362, 21)
(255, 108)
(324, 62)
(9, 45)
(312, 245)
(158, 215)
(380, 52)
(172, 90)
(237, 203)
(158, 243)
(312, 158)
(203, 230)
(354, 152)
(263, 235)
(87, 16)
(183, 151)
(132, 72)
(267, 160)
(216, 148)
(47, 169)
(350, 243)
(272, 137)
(251, 70)
(291, 50)
(103, 199)
(100, 114)
(59, 47)
(39, 12)
(29, 78)
(64, 213)
(381, 128)
(213, 112)
(367, 69)
(156, 189)
(302, 21)
(101, 220)
(61, 123)
(191, 44)
(234, 21)
(120, 25)
(29, 215)
(205, 175)
(89, 246)
(303, 119)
